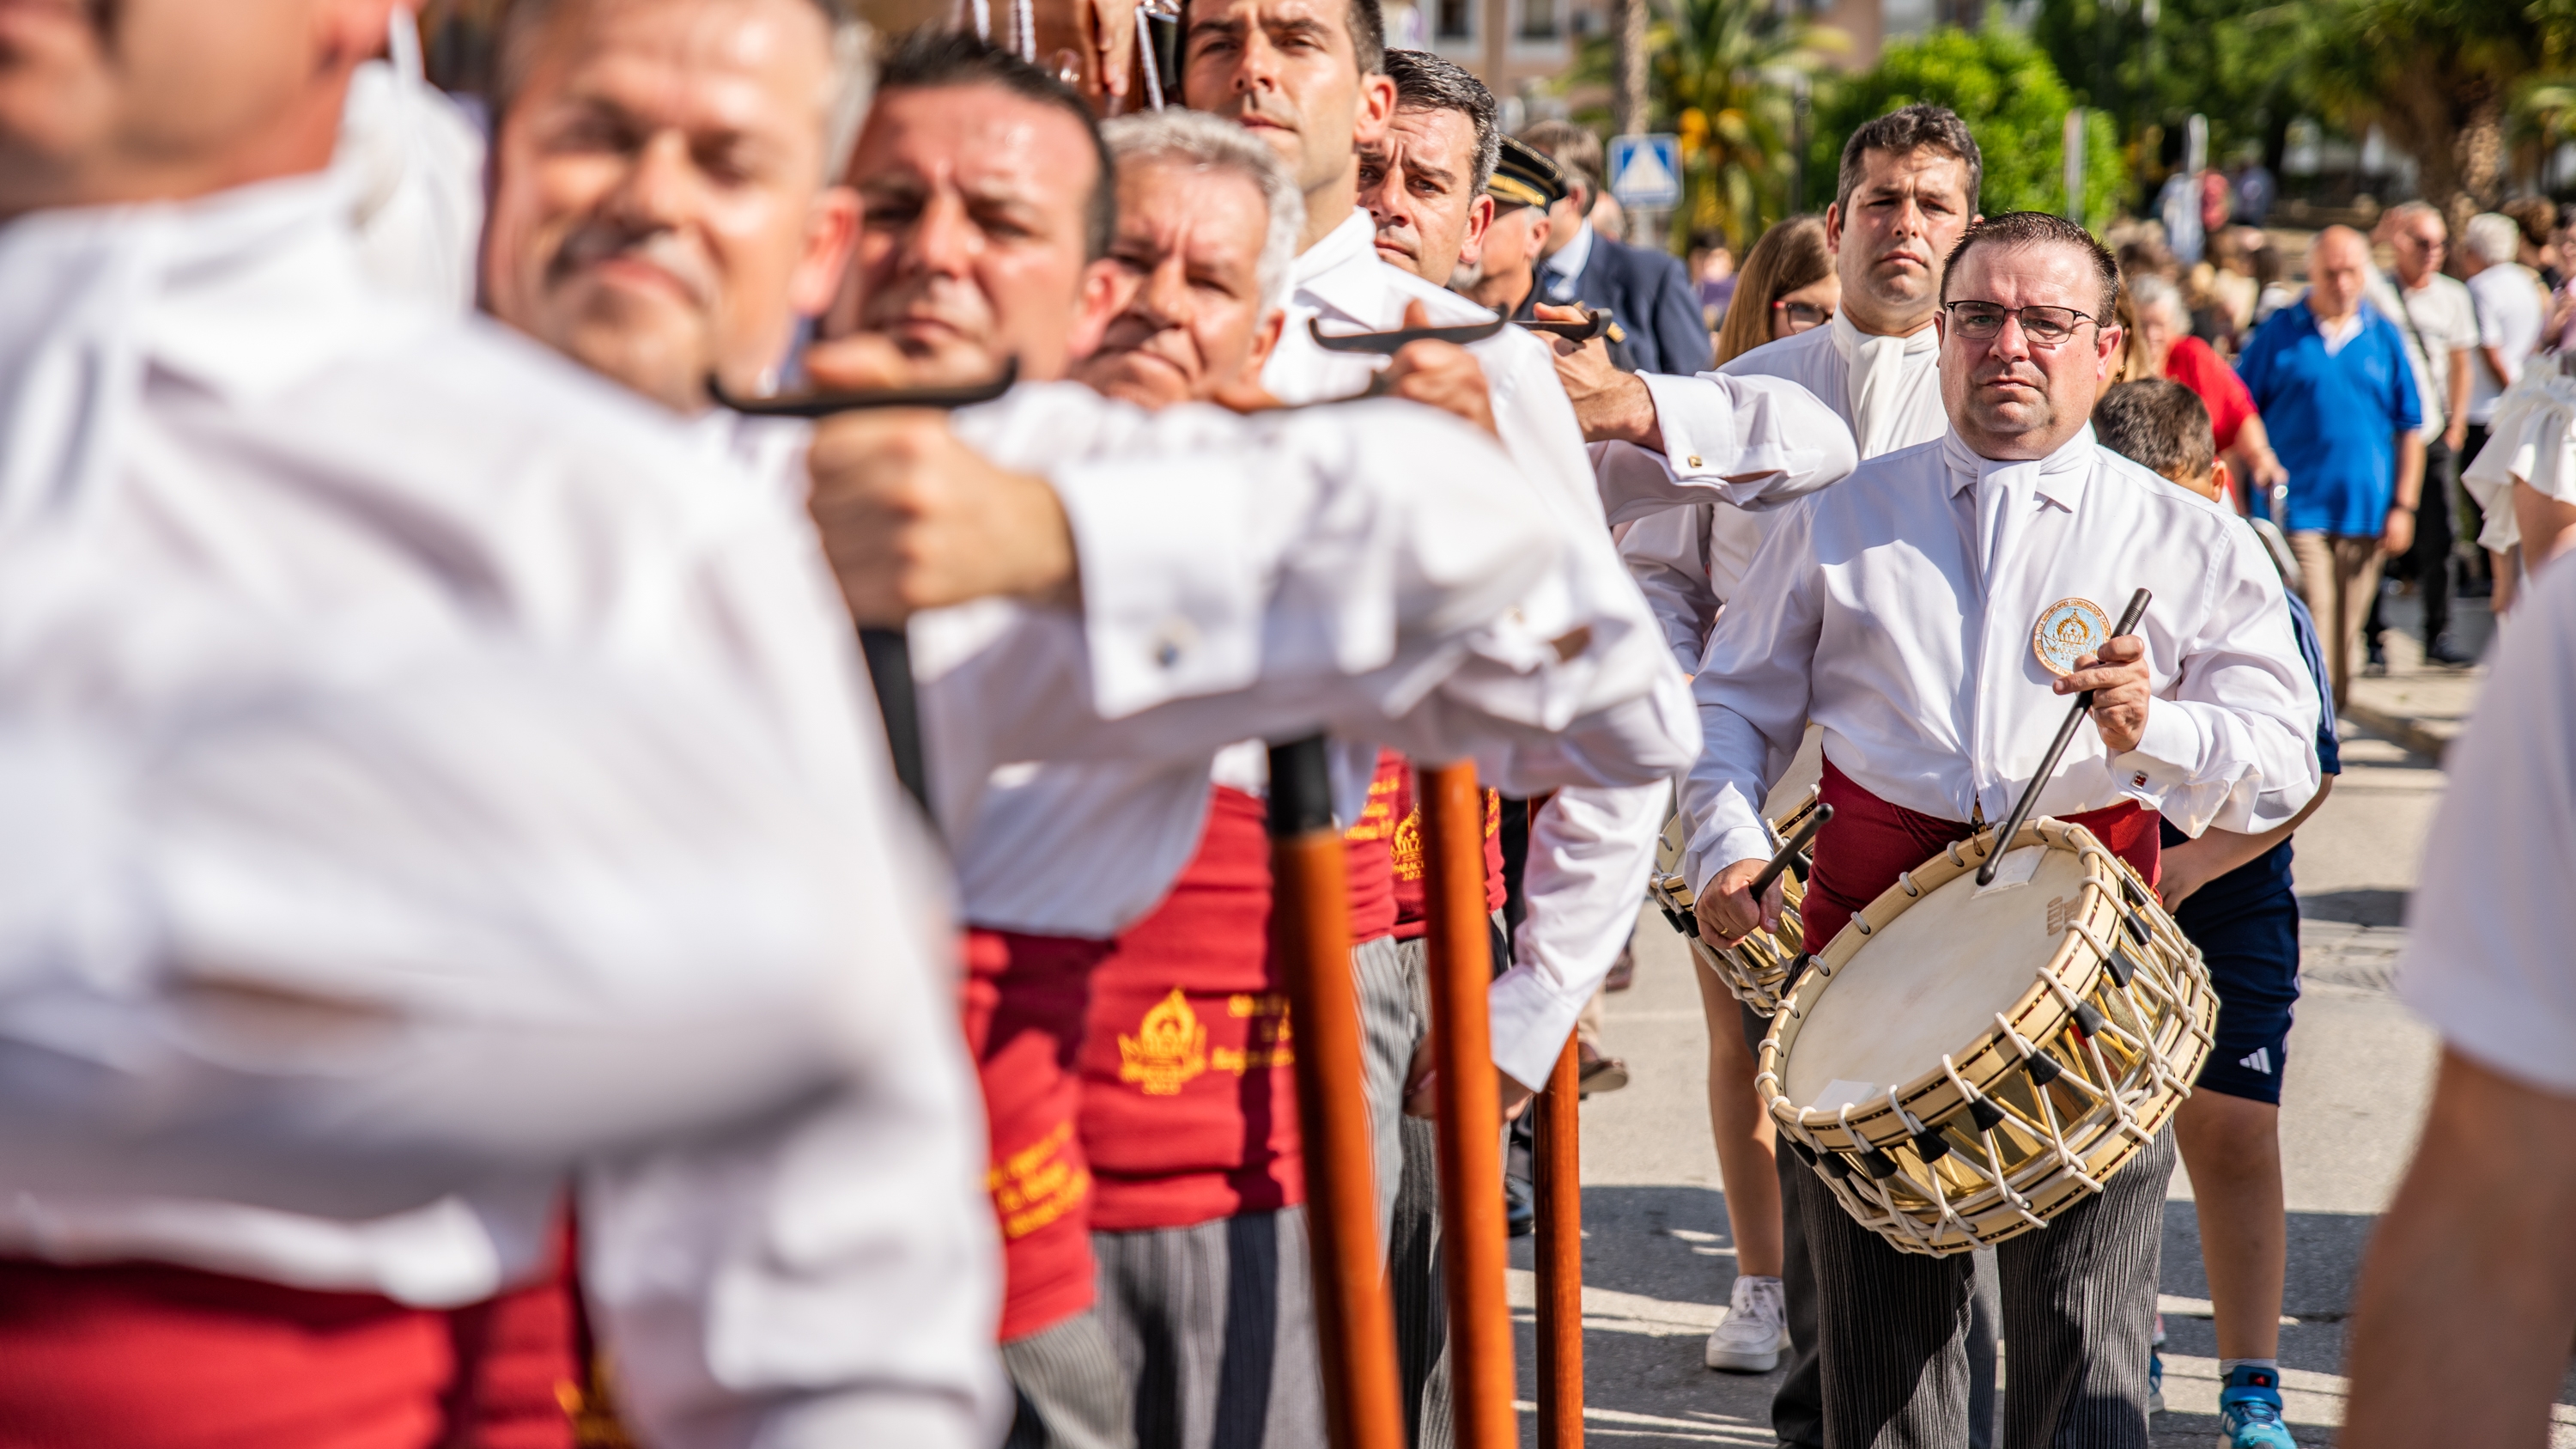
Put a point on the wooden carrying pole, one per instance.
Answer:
(1310, 929)
(1560, 1255)
(1461, 969)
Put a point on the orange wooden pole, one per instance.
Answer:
(1461, 968)
(1560, 1255)
(1310, 929)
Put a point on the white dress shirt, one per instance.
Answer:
(1581, 898)
(2487, 959)
(439, 776)
(1896, 610)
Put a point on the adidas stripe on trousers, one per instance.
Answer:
(2079, 1303)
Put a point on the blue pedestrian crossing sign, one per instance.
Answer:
(1646, 170)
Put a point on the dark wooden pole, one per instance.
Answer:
(1461, 968)
(1310, 929)
(1560, 1255)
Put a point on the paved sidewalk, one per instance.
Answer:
(2421, 706)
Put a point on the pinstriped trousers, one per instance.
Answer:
(1214, 1329)
(2079, 1303)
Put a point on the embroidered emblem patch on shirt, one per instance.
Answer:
(2067, 631)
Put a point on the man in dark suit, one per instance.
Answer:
(1649, 292)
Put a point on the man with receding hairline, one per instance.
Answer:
(1897, 610)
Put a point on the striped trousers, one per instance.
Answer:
(1213, 1326)
(2079, 1303)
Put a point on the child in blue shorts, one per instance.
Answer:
(2231, 894)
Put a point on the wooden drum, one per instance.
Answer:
(1963, 1063)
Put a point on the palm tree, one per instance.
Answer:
(1720, 74)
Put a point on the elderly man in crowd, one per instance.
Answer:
(2339, 399)
(2439, 321)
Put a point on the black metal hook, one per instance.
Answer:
(1388, 344)
(826, 404)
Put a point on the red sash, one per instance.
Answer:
(1189, 1094)
(1869, 843)
(1368, 848)
(1412, 910)
(156, 1356)
(1025, 1001)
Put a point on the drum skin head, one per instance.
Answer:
(1930, 982)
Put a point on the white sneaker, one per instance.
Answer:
(1755, 1331)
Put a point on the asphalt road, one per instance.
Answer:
(1657, 1258)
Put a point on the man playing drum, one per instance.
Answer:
(1903, 611)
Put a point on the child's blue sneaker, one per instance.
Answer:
(2249, 1410)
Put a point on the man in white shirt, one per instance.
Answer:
(446, 790)
(1894, 610)
(2461, 1318)
(2512, 310)
(2440, 322)
(1905, 194)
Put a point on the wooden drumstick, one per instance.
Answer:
(2047, 767)
(1458, 959)
(1789, 852)
(1310, 930)
(1560, 1255)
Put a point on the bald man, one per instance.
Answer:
(2340, 399)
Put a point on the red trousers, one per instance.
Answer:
(1869, 843)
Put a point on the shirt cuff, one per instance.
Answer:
(1530, 1022)
(1747, 842)
(1696, 418)
(2168, 750)
(1172, 601)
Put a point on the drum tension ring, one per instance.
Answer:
(1835, 1165)
(1805, 1153)
(2122, 968)
(2137, 928)
(2089, 1020)
(1878, 1164)
(1931, 1146)
(2042, 1067)
(2129, 891)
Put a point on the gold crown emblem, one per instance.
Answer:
(1169, 1048)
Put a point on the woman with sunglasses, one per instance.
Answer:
(1787, 285)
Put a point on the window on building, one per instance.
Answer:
(1538, 20)
(1457, 20)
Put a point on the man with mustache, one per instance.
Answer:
(1852, 615)
(981, 204)
(429, 788)
(1906, 193)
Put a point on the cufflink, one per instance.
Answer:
(1171, 641)
(1691, 461)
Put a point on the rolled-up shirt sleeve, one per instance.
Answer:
(1753, 691)
(1754, 442)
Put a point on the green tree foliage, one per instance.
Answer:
(1718, 75)
(2437, 75)
(2235, 62)
(2004, 87)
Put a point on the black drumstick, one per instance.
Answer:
(1789, 852)
(1388, 344)
(2048, 766)
(1595, 323)
(888, 651)
(825, 404)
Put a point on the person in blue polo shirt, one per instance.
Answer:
(2338, 397)
(2231, 894)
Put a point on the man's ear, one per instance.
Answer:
(2106, 349)
(1480, 218)
(831, 230)
(1376, 110)
(1107, 288)
(1265, 339)
(1833, 226)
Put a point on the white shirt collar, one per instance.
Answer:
(2336, 334)
(1342, 269)
(2058, 477)
(1849, 340)
(1573, 257)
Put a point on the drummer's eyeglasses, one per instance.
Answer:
(2044, 326)
(1803, 315)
